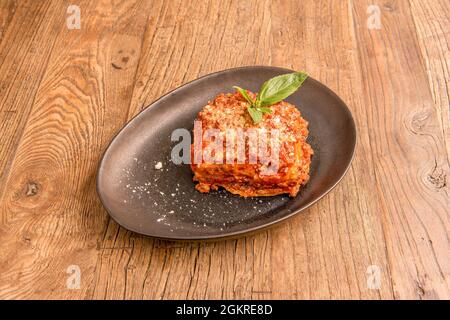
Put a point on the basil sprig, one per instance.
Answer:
(272, 91)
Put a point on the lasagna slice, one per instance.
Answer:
(238, 172)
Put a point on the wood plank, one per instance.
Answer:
(432, 24)
(28, 30)
(407, 145)
(335, 241)
(174, 54)
(52, 216)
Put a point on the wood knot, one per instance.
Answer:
(420, 289)
(437, 177)
(26, 239)
(122, 58)
(32, 188)
(419, 121)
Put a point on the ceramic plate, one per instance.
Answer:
(163, 202)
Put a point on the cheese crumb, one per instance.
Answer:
(158, 166)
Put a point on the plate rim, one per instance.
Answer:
(233, 234)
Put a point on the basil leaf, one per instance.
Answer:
(255, 114)
(265, 110)
(276, 89)
(272, 91)
(244, 93)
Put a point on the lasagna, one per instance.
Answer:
(242, 173)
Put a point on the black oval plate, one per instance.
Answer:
(163, 203)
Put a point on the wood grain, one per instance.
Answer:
(64, 93)
(28, 33)
(433, 33)
(414, 210)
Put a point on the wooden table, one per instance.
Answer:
(383, 233)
